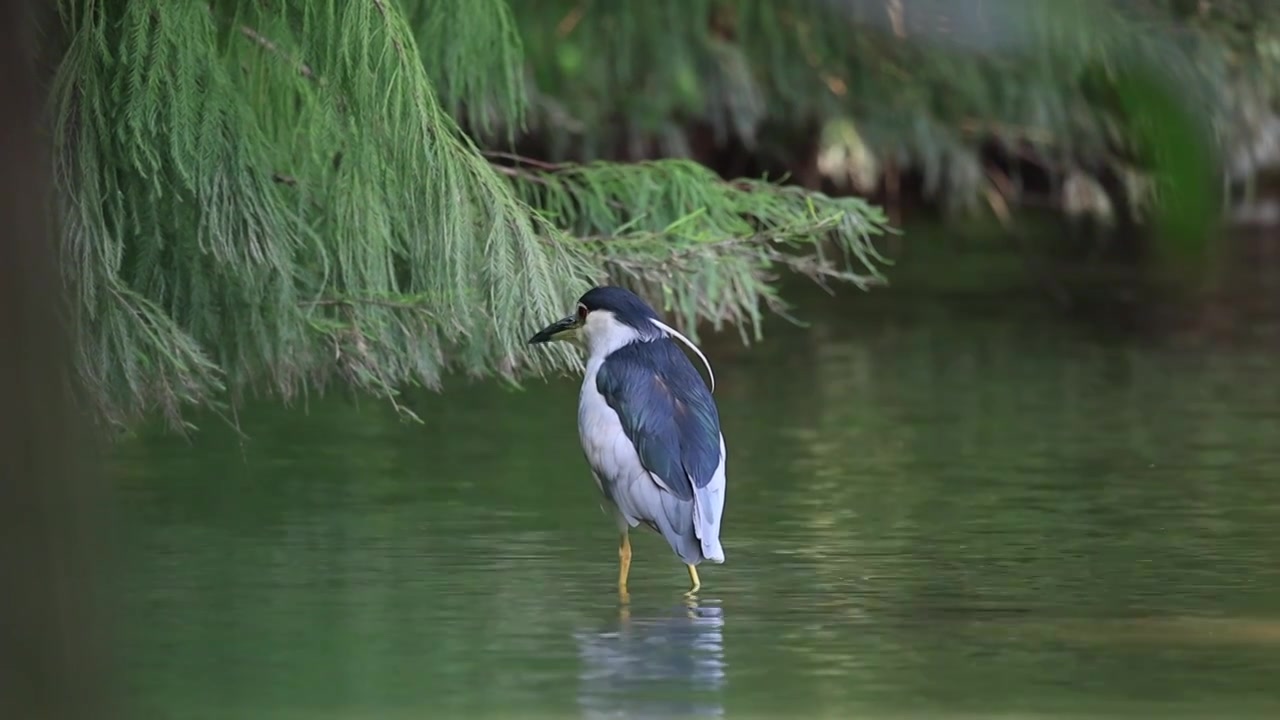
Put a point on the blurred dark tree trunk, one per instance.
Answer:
(49, 661)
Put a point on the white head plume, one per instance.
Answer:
(672, 331)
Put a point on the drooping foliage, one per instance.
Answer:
(882, 87)
(268, 195)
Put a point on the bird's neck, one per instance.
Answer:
(605, 335)
(602, 348)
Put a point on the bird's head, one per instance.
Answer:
(605, 319)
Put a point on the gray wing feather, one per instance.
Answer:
(667, 413)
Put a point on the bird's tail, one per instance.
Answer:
(706, 524)
(712, 550)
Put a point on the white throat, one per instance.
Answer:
(602, 333)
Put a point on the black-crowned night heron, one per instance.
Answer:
(648, 425)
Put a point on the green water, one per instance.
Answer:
(938, 507)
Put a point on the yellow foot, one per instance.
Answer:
(693, 577)
(691, 606)
(624, 563)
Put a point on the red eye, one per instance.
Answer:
(582, 312)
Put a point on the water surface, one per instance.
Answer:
(937, 507)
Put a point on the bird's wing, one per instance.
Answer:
(666, 411)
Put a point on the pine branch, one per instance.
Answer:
(266, 214)
(706, 249)
(217, 245)
(275, 195)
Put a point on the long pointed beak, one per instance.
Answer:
(555, 330)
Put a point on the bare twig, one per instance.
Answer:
(375, 302)
(516, 172)
(570, 21)
(500, 155)
(270, 46)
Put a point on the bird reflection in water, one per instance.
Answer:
(666, 664)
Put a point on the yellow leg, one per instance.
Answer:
(693, 576)
(624, 562)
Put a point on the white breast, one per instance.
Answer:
(609, 452)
